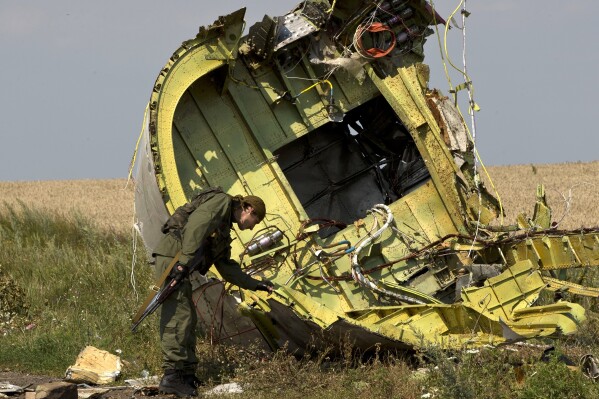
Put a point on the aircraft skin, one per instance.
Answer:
(378, 228)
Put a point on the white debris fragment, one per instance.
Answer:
(6, 387)
(222, 389)
(95, 366)
(85, 393)
(148, 381)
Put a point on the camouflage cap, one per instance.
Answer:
(257, 204)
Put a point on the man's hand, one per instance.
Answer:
(178, 273)
(265, 285)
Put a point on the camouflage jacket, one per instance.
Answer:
(210, 223)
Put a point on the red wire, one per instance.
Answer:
(376, 27)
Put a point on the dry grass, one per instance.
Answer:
(572, 191)
(106, 202)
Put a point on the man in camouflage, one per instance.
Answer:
(206, 233)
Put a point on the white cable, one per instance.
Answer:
(134, 256)
(468, 84)
(356, 271)
(356, 268)
(472, 122)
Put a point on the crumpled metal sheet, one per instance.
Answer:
(294, 27)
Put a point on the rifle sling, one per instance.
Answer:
(156, 288)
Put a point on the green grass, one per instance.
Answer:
(495, 374)
(66, 284)
(554, 380)
(70, 288)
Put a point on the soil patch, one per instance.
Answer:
(30, 381)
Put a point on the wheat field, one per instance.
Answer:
(108, 203)
(572, 191)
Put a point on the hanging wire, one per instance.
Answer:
(445, 58)
(470, 89)
(314, 85)
(211, 326)
(134, 230)
(471, 109)
(134, 256)
(299, 61)
(330, 10)
(134, 157)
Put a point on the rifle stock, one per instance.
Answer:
(155, 299)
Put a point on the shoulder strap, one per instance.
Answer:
(179, 218)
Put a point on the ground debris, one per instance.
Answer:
(8, 388)
(143, 382)
(225, 389)
(94, 366)
(54, 390)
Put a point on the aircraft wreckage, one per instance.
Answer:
(378, 229)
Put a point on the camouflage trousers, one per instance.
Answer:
(178, 321)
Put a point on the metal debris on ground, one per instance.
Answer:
(589, 367)
(8, 388)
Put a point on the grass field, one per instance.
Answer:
(66, 281)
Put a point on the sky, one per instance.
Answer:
(76, 75)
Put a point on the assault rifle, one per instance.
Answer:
(159, 295)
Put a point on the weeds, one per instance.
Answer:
(495, 373)
(286, 376)
(69, 274)
(482, 374)
(554, 380)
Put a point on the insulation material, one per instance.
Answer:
(150, 212)
(94, 366)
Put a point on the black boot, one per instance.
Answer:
(192, 380)
(174, 382)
